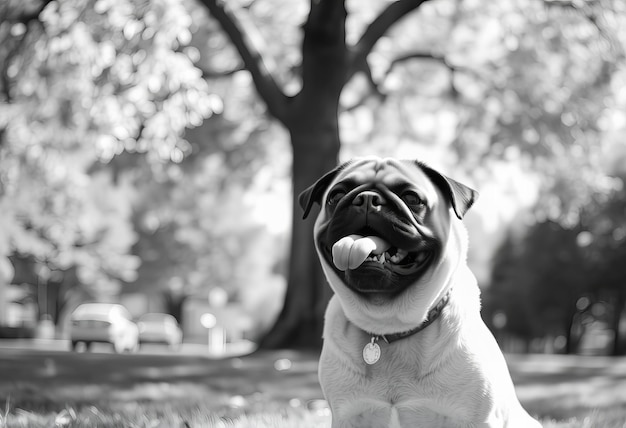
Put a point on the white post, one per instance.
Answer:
(216, 334)
(217, 340)
(6, 276)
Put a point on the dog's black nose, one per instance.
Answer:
(369, 199)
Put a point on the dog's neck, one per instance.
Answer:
(433, 314)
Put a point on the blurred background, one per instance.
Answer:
(148, 152)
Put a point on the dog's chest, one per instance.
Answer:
(393, 392)
(391, 404)
(374, 414)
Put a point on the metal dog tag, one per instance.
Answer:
(371, 352)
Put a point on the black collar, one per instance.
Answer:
(433, 314)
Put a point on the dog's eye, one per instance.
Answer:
(335, 196)
(412, 199)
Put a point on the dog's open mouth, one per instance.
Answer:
(356, 251)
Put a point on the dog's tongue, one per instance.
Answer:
(351, 251)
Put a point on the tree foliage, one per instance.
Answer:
(531, 83)
(84, 81)
(547, 278)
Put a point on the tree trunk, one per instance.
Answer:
(571, 344)
(315, 141)
(618, 312)
(313, 124)
(174, 303)
(300, 323)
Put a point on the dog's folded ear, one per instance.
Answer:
(460, 196)
(315, 192)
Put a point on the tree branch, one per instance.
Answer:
(381, 95)
(367, 70)
(586, 11)
(377, 28)
(244, 41)
(419, 55)
(218, 74)
(26, 15)
(373, 85)
(428, 56)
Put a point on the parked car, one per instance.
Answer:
(104, 322)
(160, 328)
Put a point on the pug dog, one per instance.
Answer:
(404, 343)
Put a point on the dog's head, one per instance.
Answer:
(383, 236)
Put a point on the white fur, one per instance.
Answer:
(450, 375)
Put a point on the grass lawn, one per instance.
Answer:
(270, 390)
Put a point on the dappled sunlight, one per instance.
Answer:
(563, 386)
(173, 392)
(277, 390)
(273, 390)
(285, 377)
(574, 397)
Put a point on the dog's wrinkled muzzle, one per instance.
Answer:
(375, 243)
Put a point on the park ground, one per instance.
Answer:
(265, 390)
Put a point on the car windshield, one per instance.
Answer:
(98, 311)
(154, 318)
